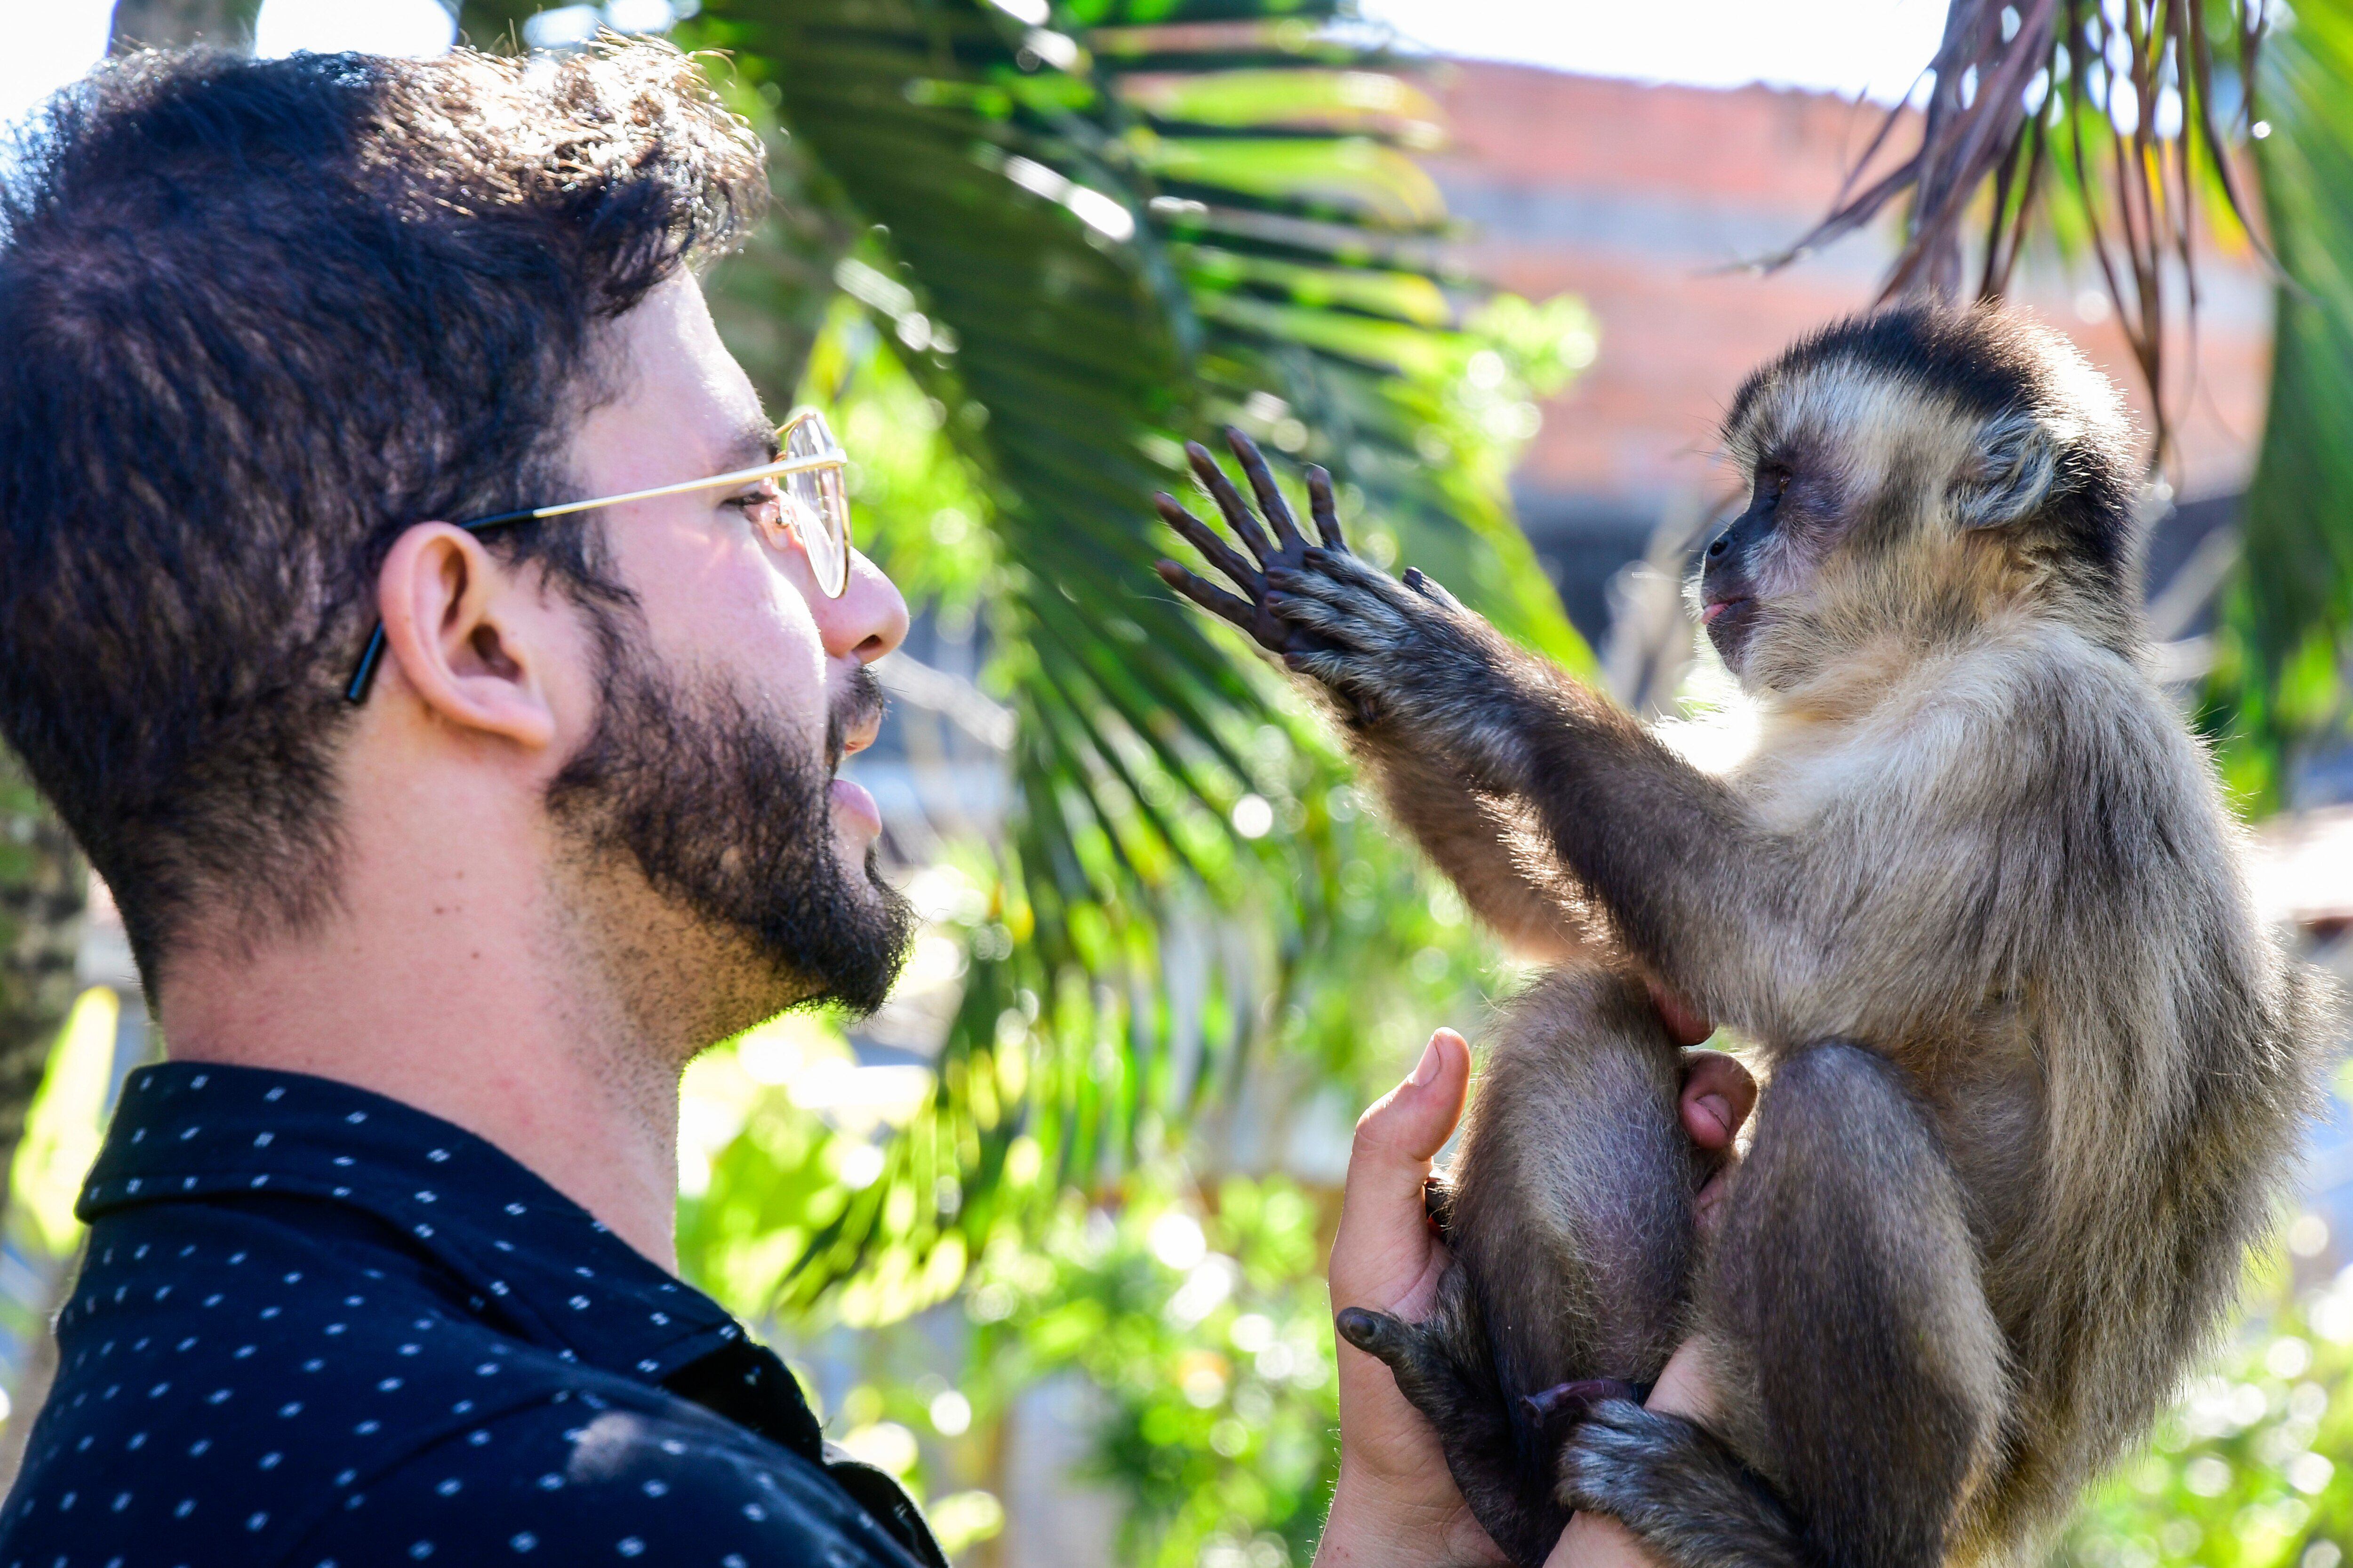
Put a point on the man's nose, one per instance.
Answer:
(868, 621)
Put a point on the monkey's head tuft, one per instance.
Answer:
(1914, 474)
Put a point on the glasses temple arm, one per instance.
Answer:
(356, 689)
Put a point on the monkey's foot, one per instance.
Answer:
(1560, 1407)
(1509, 1491)
(1678, 1488)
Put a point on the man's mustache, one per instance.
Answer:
(860, 702)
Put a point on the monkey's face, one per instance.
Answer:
(1911, 475)
(1758, 569)
(1820, 518)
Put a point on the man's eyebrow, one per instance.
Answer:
(754, 443)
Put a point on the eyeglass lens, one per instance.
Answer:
(821, 505)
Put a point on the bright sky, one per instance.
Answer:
(1843, 46)
(1847, 47)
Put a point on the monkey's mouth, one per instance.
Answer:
(1727, 622)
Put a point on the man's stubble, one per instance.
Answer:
(702, 856)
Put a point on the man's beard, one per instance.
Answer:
(731, 820)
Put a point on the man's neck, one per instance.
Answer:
(455, 982)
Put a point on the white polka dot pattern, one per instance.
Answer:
(272, 1358)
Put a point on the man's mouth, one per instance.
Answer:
(859, 806)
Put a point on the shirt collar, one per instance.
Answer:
(522, 1252)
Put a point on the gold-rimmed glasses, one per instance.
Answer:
(806, 500)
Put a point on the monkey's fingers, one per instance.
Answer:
(1327, 623)
(1557, 1410)
(1204, 538)
(1270, 498)
(1229, 502)
(1214, 600)
(1320, 506)
(1429, 588)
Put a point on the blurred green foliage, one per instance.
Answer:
(2279, 691)
(2255, 1467)
(1208, 1338)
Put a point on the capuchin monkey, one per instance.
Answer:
(2035, 1071)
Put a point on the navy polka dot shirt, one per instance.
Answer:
(321, 1329)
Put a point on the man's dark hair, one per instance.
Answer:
(256, 319)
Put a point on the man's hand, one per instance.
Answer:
(1395, 1501)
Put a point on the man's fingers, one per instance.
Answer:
(1385, 1248)
(1229, 502)
(1216, 601)
(1685, 1023)
(1262, 478)
(1718, 1093)
(1204, 538)
(1321, 508)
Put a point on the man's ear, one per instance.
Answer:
(2015, 466)
(452, 625)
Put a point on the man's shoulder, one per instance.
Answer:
(241, 1385)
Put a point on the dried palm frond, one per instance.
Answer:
(2107, 123)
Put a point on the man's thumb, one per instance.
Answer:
(1397, 1138)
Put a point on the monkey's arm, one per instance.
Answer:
(1790, 934)
(1656, 843)
(1507, 880)
(1794, 932)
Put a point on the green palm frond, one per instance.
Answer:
(2280, 689)
(1085, 244)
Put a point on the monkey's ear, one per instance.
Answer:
(2012, 473)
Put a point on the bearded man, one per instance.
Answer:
(447, 664)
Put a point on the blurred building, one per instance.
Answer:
(1652, 203)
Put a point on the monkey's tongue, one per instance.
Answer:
(1707, 617)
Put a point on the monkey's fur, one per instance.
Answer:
(2035, 1071)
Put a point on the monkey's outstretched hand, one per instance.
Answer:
(1285, 549)
(1387, 649)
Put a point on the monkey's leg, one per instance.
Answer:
(1568, 1212)
(1844, 1280)
(1442, 1367)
